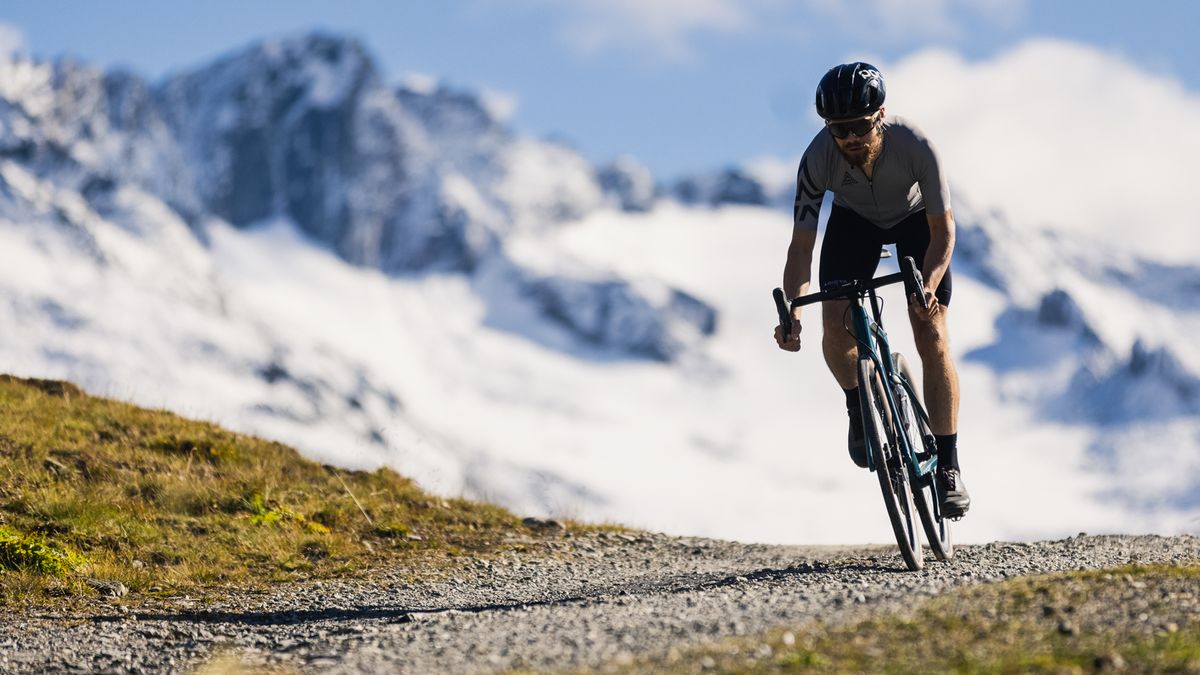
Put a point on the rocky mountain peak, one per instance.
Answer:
(304, 129)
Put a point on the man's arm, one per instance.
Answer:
(798, 268)
(797, 272)
(937, 256)
(936, 194)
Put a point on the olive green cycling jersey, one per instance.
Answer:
(907, 176)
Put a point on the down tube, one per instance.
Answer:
(863, 333)
(889, 373)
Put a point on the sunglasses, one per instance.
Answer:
(859, 127)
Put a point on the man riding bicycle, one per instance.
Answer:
(888, 188)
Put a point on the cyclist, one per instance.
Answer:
(888, 188)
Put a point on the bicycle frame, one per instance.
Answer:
(870, 335)
(904, 428)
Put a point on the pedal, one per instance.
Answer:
(955, 517)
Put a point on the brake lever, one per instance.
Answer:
(915, 282)
(785, 315)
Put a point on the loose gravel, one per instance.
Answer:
(579, 601)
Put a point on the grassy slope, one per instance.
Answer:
(96, 489)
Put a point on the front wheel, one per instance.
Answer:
(920, 438)
(888, 464)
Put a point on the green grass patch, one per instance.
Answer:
(30, 553)
(154, 500)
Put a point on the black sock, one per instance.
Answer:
(852, 402)
(947, 451)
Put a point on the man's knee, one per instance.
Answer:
(835, 336)
(931, 339)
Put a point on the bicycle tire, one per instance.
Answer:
(937, 529)
(891, 471)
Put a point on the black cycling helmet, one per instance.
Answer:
(850, 90)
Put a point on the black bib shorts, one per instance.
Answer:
(851, 247)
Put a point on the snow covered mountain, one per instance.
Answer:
(378, 274)
(305, 129)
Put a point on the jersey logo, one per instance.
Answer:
(801, 213)
(808, 187)
(808, 197)
(849, 180)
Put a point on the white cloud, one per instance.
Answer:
(663, 26)
(501, 105)
(667, 28)
(906, 20)
(1064, 134)
(12, 40)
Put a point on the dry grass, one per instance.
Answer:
(93, 488)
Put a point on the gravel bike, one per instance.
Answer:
(901, 449)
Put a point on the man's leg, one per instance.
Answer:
(841, 355)
(850, 250)
(939, 372)
(841, 351)
(941, 398)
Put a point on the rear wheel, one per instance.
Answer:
(889, 467)
(924, 487)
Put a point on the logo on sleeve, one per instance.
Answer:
(849, 180)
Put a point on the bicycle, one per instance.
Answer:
(902, 451)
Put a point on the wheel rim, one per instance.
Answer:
(937, 529)
(891, 469)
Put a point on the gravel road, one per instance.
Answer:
(574, 601)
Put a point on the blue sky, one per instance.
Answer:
(683, 85)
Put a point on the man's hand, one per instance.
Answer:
(792, 343)
(921, 313)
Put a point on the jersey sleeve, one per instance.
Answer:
(810, 190)
(931, 176)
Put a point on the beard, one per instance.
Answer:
(863, 154)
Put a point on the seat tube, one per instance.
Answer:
(876, 310)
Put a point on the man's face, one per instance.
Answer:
(858, 138)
